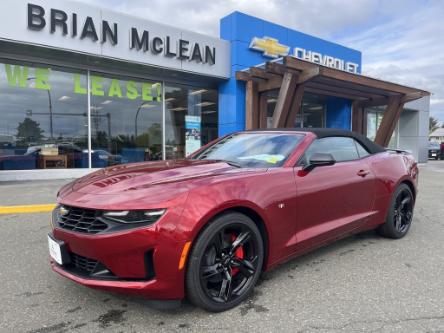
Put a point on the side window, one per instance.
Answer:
(341, 148)
(361, 150)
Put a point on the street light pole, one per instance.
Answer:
(51, 128)
(108, 116)
(135, 120)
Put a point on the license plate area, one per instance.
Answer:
(58, 251)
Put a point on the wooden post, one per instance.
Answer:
(295, 106)
(364, 121)
(263, 108)
(251, 107)
(389, 120)
(357, 117)
(285, 99)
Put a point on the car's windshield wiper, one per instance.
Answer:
(232, 163)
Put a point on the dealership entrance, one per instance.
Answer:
(294, 78)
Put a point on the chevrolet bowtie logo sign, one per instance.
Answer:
(269, 46)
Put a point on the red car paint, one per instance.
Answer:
(299, 210)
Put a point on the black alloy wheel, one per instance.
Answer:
(400, 214)
(403, 212)
(225, 263)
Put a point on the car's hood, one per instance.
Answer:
(131, 177)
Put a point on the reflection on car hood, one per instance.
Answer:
(114, 180)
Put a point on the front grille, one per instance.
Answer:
(94, 269)
(84, 264)
(81, 220)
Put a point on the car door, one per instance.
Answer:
(333, 200)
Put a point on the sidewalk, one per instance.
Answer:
(41, 192)
(30, 192)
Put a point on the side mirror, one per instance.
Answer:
(319, 159)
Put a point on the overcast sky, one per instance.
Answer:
(400, 40)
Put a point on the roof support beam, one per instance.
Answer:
(352, 92)
(259, 73)
(263, 110)
(285, 99)
(297, 64)
(275, 68)
(385, 100)
(243, 76)
(274, 83)
(413, 96)
(331, 93)
(295, 106)
(355, 87)
(365, 81)
(376, 102)
(246, 76)
(309, 74)
(251, 105)
(389, 120)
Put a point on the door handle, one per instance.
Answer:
(363, 173)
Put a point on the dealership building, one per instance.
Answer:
(84, 87)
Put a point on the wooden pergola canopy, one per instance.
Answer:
(293, 77)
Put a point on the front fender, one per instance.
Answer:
(199, 210)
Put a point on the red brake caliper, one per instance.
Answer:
(239, 254)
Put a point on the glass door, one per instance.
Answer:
(191, 118)
(374, 119)
(312, 112)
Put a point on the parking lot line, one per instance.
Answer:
(26, 209)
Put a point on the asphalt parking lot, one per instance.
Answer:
(363, 283)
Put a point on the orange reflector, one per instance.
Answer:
(183, 256)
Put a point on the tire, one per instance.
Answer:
(400, 214)
(225, 263)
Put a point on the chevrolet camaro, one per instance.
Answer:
(206, 226)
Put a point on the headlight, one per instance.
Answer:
(134, 216)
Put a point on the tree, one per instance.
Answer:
(100, 140)
(433, 124)
(29, 131)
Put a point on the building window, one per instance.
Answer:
(374, 119)
(312, 112)
(191, 118)
(126, 120)
(43, 112)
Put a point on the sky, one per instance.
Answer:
(400, 40)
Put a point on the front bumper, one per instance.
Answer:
(125, 255)
(434, 153)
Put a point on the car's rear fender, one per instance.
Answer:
(391, 169)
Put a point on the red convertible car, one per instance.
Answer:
(205, 227)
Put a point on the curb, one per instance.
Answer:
(26, 209)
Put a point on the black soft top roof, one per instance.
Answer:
(369, 145)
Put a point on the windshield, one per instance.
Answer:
(433, 145)
(253, 150)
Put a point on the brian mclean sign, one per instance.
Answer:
(81, 28)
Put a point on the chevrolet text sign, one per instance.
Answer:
(325, 60)
(81, 28)
(273, 49)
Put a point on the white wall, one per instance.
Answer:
(414, 128)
